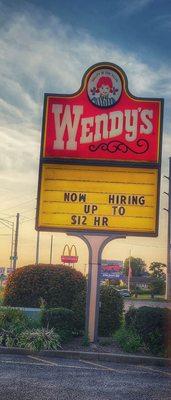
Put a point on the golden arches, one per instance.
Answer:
(67, 251)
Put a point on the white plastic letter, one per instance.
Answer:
(116, 123)
(131, 124)
(66, 123)
(101, 130)
(87, 135)
(147, 126)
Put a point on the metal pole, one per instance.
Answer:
(129, 272)
(51, 249)
(37, 248)
(16, 242)
(168, 276)
(12, 243)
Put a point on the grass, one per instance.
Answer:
(148, 297)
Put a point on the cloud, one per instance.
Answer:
(43, 54)
(40, 56)
(163, 22)
(133, 7)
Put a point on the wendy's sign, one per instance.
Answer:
(102, 121)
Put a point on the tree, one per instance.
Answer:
(157, 270)
(138, 266)
(157, 286)
(158, 282)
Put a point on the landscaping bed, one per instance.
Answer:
(104, 345)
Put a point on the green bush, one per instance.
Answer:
(61, 319)
(39, 339)
(12, 323)
(13, 319)
(130, 318)
(152, 324)
(128, 340)
(54, 285)
(1, 295)
(79, 309)
(111, 310)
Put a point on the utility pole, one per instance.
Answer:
(129, 272)
(15, 257)
(12, 244)
(51, 248)
(10, 225)
(168, 275)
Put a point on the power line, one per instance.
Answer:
(23, 222)
(17, 205)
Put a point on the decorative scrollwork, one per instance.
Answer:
(117, 146)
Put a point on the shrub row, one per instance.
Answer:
(58, 286)
(153, 325)
(111, 310)
(17, 330)
(61, 319)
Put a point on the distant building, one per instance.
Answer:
(141, 282)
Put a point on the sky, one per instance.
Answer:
(46, 47)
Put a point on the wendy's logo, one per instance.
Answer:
(104, 87)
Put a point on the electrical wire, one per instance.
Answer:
(17, 205)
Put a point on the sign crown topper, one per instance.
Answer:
(104, 87)
(102, 121)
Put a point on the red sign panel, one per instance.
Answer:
(115, 268)
(103, 121)
(69, 259)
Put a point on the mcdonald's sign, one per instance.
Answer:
(67, 256)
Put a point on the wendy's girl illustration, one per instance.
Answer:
(105, 89)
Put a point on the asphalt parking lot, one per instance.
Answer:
(41, 378)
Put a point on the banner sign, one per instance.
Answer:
(100, 158)
(102, 121)
(115, 199)
(112, 269)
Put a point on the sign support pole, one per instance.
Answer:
(96, 244)
(92, 307)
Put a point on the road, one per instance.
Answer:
(140, 303)
(43, 378)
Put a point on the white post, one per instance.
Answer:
(51, 248)
(95, 243)
(37, 248)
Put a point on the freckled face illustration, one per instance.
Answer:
(104, 86)
(104, 90)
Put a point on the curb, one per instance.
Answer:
(92, 356)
